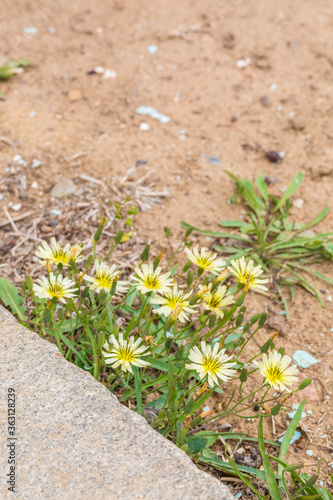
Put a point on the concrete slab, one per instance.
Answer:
(74, 440)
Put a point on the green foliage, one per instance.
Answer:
(285, 249)
(168, 391)
(8, 70)
(11, 298)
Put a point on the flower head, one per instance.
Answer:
(104, 278)
(246, 273)
(125, 353)
(217, 300)
(57, 254)
(56, 286)
(276, 372)
(174, 302)
(149, 280)
(211, 362)
(205, 259)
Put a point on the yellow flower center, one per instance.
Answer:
(274, 374)
(60, 256)
(104, 280)
(173, 302)
(152, 281)
(56, 290)
(126, 354)
(214, 302)
(204, 262)
(211, 364)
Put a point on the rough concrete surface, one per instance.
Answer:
(75, 440)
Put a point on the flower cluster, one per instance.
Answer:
(174, 300)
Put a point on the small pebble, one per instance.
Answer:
(17, 207)
(273, 156)
(108, 74)
(144, 126)
(34, 185)
(242, 63)
(304, 359)
(292, 414)
(152, 49)
(309, 452)
(298, 203)
(30, 31)
(265, 101)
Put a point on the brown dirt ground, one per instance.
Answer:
(193, 79)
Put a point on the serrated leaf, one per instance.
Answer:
(11, 298)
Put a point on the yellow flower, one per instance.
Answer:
(174, 302)
(217, 300)
(105, 276)
(247, 274)
(56, 286)
(276, 372)
(211, 362)
(149, 280)
(125, 353)
(57, 254)
(205, 259)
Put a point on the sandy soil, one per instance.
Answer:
(79, 123)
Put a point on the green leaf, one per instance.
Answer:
(11, 298)
(159, 402)
(233, 223)
(209, 458)
(160, 365)
(291, 189)
(262, 186)
(270, 476)
(216, 234)
(289, 434)
(138, 394)
(196, 445)
(317, 219)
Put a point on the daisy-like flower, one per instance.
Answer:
(56, 286)
(149, 280)
(104, 278)
(205, 259)
(174, 302)
(57, 254)
(276, 372)
(212, 362)
(217, 300)
(125, 353)
(248, 274)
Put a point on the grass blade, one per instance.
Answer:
(138, 389)
(289, 434)
(317, 219)
(215, 234)
(270, 476)
(291, 189)
(262, 186)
